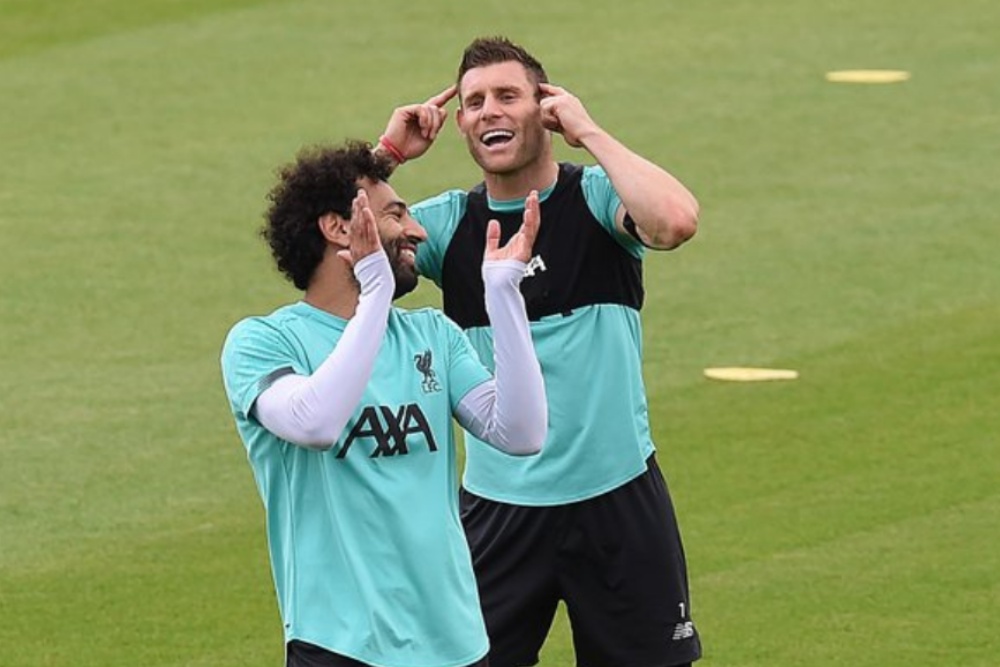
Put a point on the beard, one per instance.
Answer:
(403, 271)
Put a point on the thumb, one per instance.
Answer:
(492, 236)
(346, 256)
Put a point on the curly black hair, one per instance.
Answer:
(485, 51)
(323, 179)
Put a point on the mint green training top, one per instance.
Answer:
(367, 551)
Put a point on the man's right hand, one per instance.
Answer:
(363, 231)
(414, 127)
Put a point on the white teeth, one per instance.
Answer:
(496, 134)
(408, 253)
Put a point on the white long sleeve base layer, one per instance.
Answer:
(509, 412)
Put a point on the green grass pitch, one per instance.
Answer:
(850, 232)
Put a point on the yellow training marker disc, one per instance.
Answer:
(868, 76)
(744, 374)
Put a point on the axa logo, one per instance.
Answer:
(390, 429)
(536, 264)
(423, 363)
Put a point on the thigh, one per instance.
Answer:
(512, 553)
(625, 579)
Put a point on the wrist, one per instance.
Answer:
(373, 272)
(593, 138)
(386, 147)
(498, 273)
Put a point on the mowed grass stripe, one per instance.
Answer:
(894, 425)
(195, 595)
(847, 233)
(857, 505)
(135, 449)
(29, 26)
(921, 590)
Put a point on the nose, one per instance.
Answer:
(413, 230)
(490, 107)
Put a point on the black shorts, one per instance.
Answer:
(302, 654)
(615, 560)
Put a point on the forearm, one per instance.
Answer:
(664, 210)
(313, 410)
(511, 412)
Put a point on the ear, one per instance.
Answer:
(335, 229)
(458, 121)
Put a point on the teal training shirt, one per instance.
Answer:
(367, 551)
(583, 292)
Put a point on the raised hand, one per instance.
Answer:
(362, 231)
(564, 113)
(519, 246)
(414, 127)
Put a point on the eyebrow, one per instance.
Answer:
(395, 206)
(500, 89)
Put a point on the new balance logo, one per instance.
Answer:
(536, 264)
(683, 631)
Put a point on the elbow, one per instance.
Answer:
(686, 228)
(533, 449)
(525, 450)
(315, 431)
(316, 446)
(529, 448)
(689, 220)
(679, 223)
(535, 440)
(316, 439)
(531, 441)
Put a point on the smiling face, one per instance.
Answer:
(399, 232)
(501, 120)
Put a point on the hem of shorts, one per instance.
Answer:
(477, 655)
(696, 655)
(551, 502)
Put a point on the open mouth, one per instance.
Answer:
(493, 138)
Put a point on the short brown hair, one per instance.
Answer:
(485, 51)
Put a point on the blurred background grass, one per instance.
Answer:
(850, 232)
